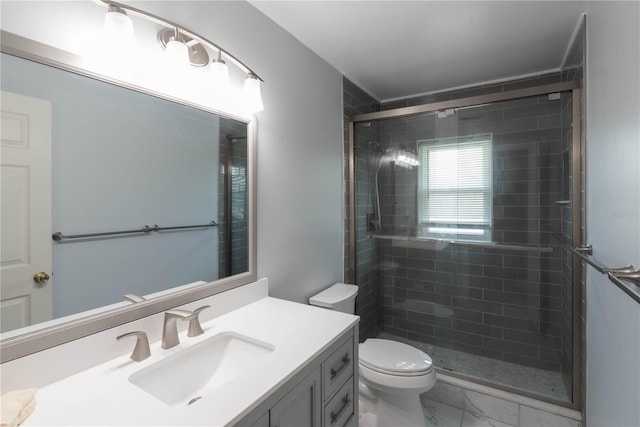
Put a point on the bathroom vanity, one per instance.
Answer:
(268, 362)
(322, 394)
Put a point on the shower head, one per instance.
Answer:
(378, 147)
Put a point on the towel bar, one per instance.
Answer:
(627, 278)
(58, 236)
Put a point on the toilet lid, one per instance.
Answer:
(394, 357)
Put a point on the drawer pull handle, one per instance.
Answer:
(345, 362)
(345, 404)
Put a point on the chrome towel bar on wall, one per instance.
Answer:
(58, 236)
(626, 278)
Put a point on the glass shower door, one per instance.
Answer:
(463, 220)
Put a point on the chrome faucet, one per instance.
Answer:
(170, 328)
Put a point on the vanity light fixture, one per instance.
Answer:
(183, 44)
(187, 50)
(219, 73)
(252, 96)
(118, 25)
(176, 50)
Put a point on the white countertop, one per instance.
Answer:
(103, 395)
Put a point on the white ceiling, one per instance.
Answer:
(394, 49)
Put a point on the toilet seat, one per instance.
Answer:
(396, 383)
(394, 358)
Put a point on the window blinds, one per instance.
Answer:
(455, 186)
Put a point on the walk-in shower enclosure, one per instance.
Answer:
(462, 218)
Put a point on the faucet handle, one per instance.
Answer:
(141, 351)
(178, 313)
(194, 323)
(133, 298)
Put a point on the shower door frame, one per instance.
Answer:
(577, 206)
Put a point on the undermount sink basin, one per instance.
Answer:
(183, 378)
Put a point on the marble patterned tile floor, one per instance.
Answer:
(546, 383)
(486, 412)
(438, 414)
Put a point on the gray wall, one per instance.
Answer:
(299, 144)
(613, 210)
(300, 228)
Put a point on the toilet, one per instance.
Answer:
(392, 374)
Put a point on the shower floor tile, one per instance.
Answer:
(539, 381)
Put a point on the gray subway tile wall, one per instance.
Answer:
(223, 265)
(233, 231)
(357, 101)
(239, 206)
(505, 305)
(487, 296)
(501, 301)
(474, 91)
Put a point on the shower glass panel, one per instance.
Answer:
(463, 224)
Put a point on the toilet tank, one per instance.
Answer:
(339, 297)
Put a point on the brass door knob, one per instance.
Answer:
(41, 277)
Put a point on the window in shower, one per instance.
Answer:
(455, 188)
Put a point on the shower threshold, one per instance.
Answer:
(533, 380)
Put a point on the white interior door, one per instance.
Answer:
(25, 211)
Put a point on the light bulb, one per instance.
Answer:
(118, 27)
(219, 75)
(177, 55)
(252, 96)
(114, 52)
(177, 51)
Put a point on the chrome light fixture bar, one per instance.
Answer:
(188, 37)
(198, 56)
(173, 34)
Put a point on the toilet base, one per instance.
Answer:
(367, 420)
(391, 410)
